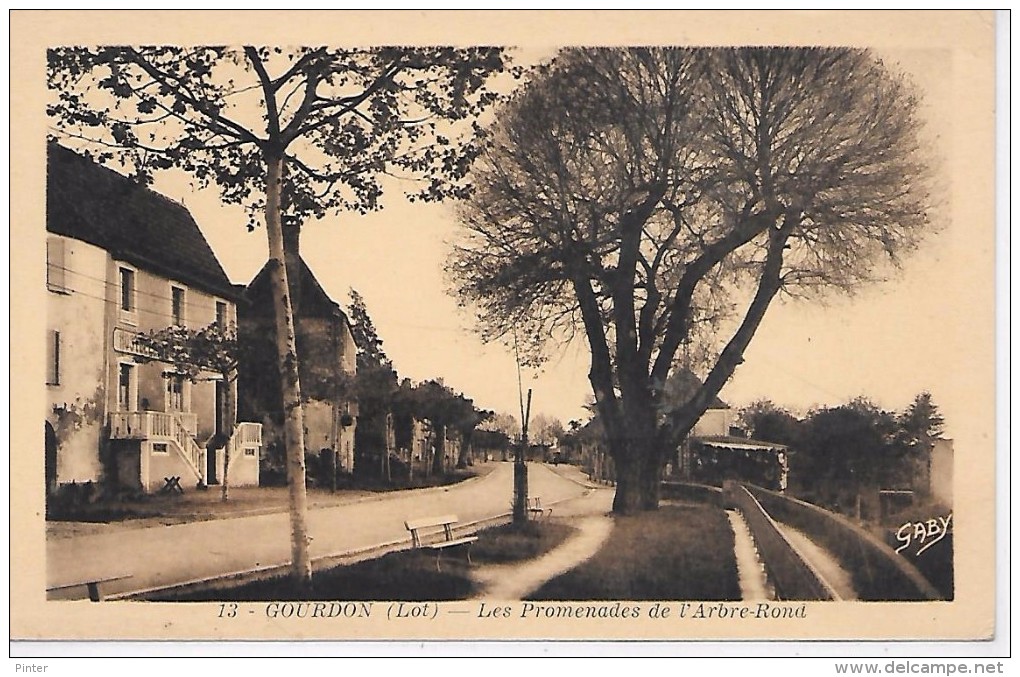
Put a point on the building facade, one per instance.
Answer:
(327, 364)
(123, 260)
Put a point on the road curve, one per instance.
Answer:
(168, 555)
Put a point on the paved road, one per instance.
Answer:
(167, 555)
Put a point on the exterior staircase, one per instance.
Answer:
(166, 427)
(246, 436)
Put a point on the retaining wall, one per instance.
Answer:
(689, 491)
(879, 574)
(790, 573)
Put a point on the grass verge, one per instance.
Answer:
(399, 576)
(674, 553)
(510, 543)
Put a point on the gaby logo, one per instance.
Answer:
(926, 533)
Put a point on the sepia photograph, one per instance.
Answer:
(504, 325)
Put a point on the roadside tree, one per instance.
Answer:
(657, 200)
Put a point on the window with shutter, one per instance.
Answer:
(221, 315)
(53, 359)
(128, 304)
(177, 306)
(56, 265)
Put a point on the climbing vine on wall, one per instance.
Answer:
(72, 416)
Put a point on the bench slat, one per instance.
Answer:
(449, 544)
(426, 522)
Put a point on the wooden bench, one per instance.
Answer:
(534, 507)
(91, 583)
(418, 528)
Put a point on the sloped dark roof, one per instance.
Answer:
(135, 224)
(312, 300)
(682, 385)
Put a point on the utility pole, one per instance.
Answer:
(521, 469)
(520, 501)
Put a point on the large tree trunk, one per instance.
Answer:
(651, 480)
(638, 480)
(464, 458)
(293, 419)
(636, 455)
(439, 459)
(627, 500)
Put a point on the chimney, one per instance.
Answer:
(292, 259)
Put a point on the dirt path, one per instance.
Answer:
(588, 514)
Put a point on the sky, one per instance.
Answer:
(889, 342)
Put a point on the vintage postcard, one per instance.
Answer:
(478, 325)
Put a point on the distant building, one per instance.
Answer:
(710, 454)
(940, 472)
(491, 445)
(717, 419)
(326, 363)
(120, 260)
(713, 460)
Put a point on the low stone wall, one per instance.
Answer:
(879, 574)
(787, 569)
(690, 491)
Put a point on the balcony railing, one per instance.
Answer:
(248, 434)
(143, 425)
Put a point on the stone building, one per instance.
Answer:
(123, 260)
(326, 364)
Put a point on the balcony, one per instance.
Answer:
(145, 425)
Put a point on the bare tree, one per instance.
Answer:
(290, 134)
(641, 197)
(545, 429)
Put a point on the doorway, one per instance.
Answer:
(51, 458)
(210, 465)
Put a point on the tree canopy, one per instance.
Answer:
(657, 200)
(768, 422)
(343, 118)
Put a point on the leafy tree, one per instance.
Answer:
(766, 421)
(503, 422)
(370, 350)
(445, 409)
(917, 428)
(194, 354)
(921, 423)
(640, 197)
(845, 449)
(291, 135)
(375, 385)
(544, 429)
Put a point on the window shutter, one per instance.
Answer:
(53, 359)
(56, 268)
